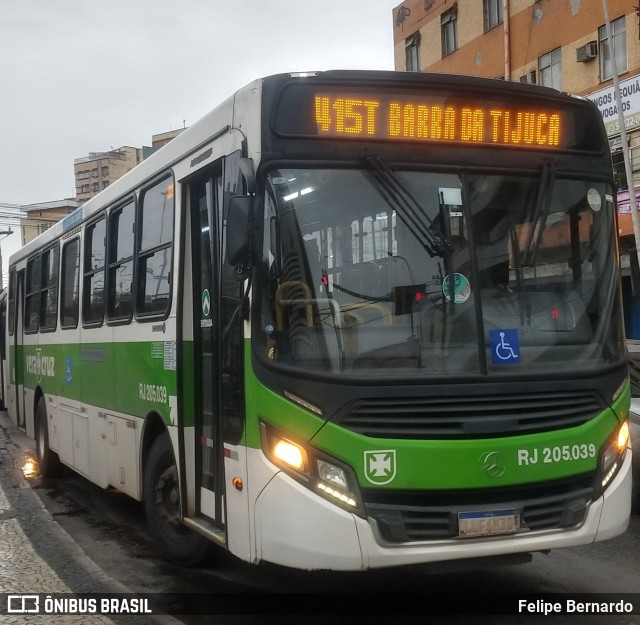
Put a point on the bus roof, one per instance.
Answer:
(220, 119)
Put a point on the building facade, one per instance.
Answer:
(41, 216)
(98, 170)
(159, 140)
(562, 44)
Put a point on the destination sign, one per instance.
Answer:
(420, 119)
(438, 115)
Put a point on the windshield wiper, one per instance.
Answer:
(540, 213)
(401, 199)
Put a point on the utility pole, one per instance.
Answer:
(623, 131)
(6, 233)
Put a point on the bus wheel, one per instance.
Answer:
(48, 461)
(161, 494)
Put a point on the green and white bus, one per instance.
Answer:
(347, 320)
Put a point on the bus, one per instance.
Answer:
(3, 347)
(348, 320)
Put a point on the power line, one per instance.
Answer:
(27, 221)
(35, 205)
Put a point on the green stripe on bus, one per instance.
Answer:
(134, 378)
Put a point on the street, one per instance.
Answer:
(110, 528)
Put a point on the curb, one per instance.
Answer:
(13, 478)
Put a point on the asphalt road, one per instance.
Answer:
(111, 529)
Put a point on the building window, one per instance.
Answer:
(529, 78)
(412, 52)
(449, 30)
(619, 171)
(619, 36)
(550, 69)
(492, 14)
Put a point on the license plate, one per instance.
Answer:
(488, 523)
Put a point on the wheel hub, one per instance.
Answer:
(168, 496)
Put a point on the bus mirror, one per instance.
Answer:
(239, 221)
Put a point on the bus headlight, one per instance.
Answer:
(291, 454)
(612, 455)
(317, 471)
(332, 474)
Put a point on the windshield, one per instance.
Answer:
(375, 272)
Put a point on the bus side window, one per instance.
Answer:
(12, 300)
(120, 264)
(70, 296)
(155, 224)
(49, 298)
(94, 257)
(32, 298)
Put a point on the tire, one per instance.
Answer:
(175, 541)
(48, 461)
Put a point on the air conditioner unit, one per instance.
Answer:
(587, 52)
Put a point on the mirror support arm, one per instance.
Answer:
(246, 167)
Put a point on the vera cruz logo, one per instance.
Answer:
(39, 365)
(380, 466)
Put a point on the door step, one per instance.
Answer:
(207, 528)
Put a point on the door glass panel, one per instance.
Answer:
(204, 331)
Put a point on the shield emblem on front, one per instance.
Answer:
(380, 466)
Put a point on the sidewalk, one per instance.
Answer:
(36, 554)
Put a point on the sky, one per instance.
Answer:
(80, 76)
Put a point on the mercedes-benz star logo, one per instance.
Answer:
(493, 464)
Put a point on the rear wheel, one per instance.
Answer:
(161, 493)
(49, 461)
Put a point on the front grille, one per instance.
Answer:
(409, 517)
(476, 416)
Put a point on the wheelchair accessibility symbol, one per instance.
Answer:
(505, 347)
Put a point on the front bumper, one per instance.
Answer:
(296, 528)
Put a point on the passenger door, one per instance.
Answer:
(205, 199)
(16, 401)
